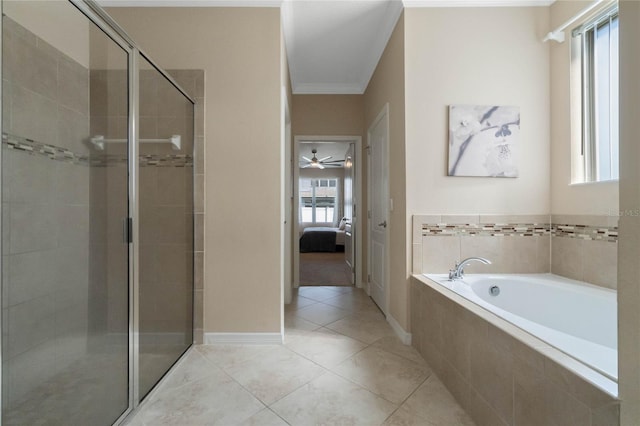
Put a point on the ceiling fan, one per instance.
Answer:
(320, 163)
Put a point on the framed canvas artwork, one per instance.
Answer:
(483, 140)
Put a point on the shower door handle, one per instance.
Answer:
(127, 229)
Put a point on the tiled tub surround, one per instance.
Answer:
(580, 247)
(497, 372)
(514, 244)
(585, 248)
(557, 310)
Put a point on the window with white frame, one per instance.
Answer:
(318, 200)
(598, 41)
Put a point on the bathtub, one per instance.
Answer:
(577, 318)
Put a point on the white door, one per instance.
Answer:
(378, 137)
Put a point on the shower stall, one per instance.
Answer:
(97, 217)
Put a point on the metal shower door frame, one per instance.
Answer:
(94, 13)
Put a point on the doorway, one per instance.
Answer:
(326, 226)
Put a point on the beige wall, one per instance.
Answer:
(387, 85)
(240, 51)
(476, 63)
(328, 115)
(593, 198)
(629, 243)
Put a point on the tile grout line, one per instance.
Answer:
(374, 393)
(329, 370)
(410, 395)
(324, 370)
(278, 415)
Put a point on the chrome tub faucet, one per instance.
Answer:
(458, 271)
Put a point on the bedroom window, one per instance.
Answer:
(598, 51)
(318, 200)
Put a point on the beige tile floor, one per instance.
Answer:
(341, 364)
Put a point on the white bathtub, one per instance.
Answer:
(577, 318)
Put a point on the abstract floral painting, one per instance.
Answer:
(483, 140)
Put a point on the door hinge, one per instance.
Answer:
(368, 214)
(368, 278)
(368, 148)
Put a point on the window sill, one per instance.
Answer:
(599, 182)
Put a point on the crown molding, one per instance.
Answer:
(477, 3)
(190, 3)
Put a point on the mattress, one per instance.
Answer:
(321, 239)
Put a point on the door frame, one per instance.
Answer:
(357, 140)
(383, 114)
(286, 194)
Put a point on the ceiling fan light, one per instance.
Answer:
(348, 162)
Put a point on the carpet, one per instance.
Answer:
(324, 269)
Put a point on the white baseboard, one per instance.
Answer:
(247, 338)
(400, 332)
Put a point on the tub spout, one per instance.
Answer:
(458, 271)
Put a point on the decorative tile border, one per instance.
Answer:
(49, 151)
(170, 160)
(584, 232)
(486, 229)
(53, 152)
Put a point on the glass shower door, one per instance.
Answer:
(65, 310)
(166, 225)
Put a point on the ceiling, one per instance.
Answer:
(333, 46)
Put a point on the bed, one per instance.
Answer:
(322, 239)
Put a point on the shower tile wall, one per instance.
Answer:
(165, 183)
(65, 272)
(165, 210)
(193, 82)
(46, 201)
(108, 176)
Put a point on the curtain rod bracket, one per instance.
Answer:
(558, 33)
(557, 36)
